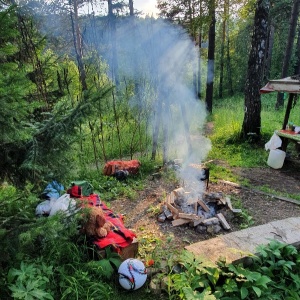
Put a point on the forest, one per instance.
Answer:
(85, 82)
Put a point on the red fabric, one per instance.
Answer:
(75, 191)
(119, 236)
(132, 166)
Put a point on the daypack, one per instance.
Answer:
(80, 188)
(131, 166)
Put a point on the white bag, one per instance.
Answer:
(274, 143)
(63, 203)
(43, 208)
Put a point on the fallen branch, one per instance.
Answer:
(260, 192)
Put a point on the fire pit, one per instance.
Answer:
(205, 212)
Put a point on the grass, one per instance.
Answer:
(227, 149)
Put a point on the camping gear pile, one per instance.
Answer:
(102, 226)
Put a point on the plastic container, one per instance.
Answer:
(276, 158)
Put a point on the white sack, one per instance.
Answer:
(43, 208)
(274, 143)
(63, 203)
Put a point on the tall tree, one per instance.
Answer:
(211, 56)
(289, 48)
(252, 120)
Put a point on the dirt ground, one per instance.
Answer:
(141, 218)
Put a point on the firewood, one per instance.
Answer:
(223, 221)
(195, 223)
(179, 222)
(203, 205)
(172, 197)
(188, 216)
(228, 201)
(236, 210)
(179, 192)
(168, 199)
(174, 210)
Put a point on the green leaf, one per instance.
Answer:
(244, 292)
(263, 280)
(39, 294)
(106, 267)
(257, 291)
(115, 262)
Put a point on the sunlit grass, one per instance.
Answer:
(228, 117)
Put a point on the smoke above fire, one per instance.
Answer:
(162, 60)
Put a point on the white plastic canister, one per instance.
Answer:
(276, 158)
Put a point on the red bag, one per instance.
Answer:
(132, 166)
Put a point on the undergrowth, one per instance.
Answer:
(48, 258)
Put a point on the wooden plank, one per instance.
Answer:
(229, 204)
(223, 221)
(168, 199)
(235, 246)
(203, 205)
(188, 216)
(179, 222)
(179, 192)
(172, 197)
(174, 210)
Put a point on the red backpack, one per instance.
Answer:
(131, 166)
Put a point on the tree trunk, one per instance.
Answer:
(289, 49)
(112, 31)
(211, 57)
(199, 85)
(252, 120)
(131, 11)
(228, 63)
(156, 130)
(78, 45)
(269, 52)
(297, 63)
(223, 41)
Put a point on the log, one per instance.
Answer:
(203, 205)
(223, 221)
(228, 201)
(174, 210)
(172, 197)
(188, 216)
(179, 222)
(179, 192)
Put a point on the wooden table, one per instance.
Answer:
(286, 136)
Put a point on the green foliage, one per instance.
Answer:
(110, 263)
(31, 281)
(272, 275)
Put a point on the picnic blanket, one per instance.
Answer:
(119, 236)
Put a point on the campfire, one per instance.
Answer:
(205, 212)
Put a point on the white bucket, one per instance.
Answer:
(276, 158)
